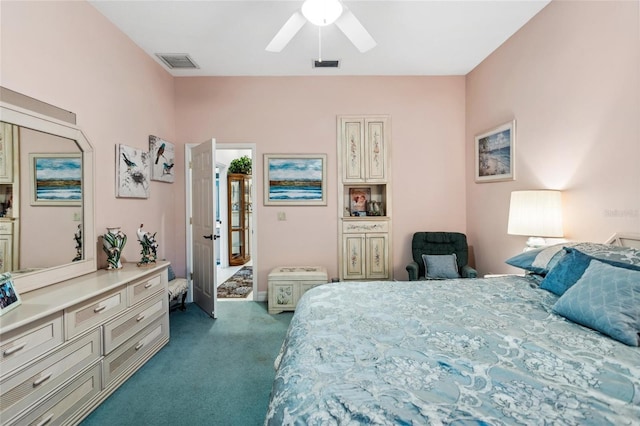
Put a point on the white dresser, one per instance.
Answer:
(70, 345)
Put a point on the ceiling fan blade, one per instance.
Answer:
(286, 33)
(353, 29)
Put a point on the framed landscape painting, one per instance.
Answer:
(295, 179)
(56, 179)
(495, 154)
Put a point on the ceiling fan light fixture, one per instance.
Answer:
(322, 12)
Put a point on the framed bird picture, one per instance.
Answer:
(132, 174)
(162, 159)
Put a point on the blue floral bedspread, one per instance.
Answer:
(463, 352)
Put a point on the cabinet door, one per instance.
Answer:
(6, 152)
(353, 256)
(377, 257)
(6, 252)
(353, 155)
(376, 151)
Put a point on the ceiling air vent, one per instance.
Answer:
(326, 64)
(177, 60)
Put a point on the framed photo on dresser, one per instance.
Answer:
(9, 298)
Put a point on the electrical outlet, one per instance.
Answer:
(282, 216)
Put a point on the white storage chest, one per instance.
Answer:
(287, 284)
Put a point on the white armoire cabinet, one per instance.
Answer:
(364, 201)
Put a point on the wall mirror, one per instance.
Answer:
(47, 231)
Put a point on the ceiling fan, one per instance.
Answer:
(322, 13)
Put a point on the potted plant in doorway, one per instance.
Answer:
(240, 165)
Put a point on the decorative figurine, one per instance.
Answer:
(112, 243)
(149, 246)
(78, 237)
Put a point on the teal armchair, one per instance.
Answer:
(439, 243)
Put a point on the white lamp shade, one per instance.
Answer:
(322, 12)
(536, 213)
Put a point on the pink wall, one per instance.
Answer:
(68, 54)
(571, 79)
(298, 115)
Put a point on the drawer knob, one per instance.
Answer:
(100, 309)
(139, 346)
(41, 380)
(147, 285)
(140, 317)
(46, 420)
(14, 349)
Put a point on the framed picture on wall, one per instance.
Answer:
(55, 179)
(495, 154)
(9, 298)
(132, 172)
(162, 159)
(295, 179)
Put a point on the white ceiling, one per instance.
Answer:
(228, 38)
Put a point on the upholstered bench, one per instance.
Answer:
(177, 290)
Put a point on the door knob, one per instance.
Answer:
(209, 237)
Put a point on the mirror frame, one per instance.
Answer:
(29, 281)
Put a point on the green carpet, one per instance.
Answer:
(212, 372)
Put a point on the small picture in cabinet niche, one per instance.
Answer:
(358, 200)
(9, 298)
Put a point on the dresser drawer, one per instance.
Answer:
(63, 403)
(133, 350)
(125, 326)
(87, 314)
(20, 346)
(140, 290)
(33, 382)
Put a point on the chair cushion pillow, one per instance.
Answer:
(440, 266)
(607, 299)
(171, 275)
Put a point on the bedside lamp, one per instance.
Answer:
(537, 214)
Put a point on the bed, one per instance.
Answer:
(463, 351)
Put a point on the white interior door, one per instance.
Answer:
(203, 221)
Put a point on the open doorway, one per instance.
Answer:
(235, 226)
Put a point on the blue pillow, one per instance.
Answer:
(170, 274)
(607, 299)
(610, 253)
(539, 261)
(439, 266)
(566, 272)
(570, 268)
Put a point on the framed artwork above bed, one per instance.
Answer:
(495, 154)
